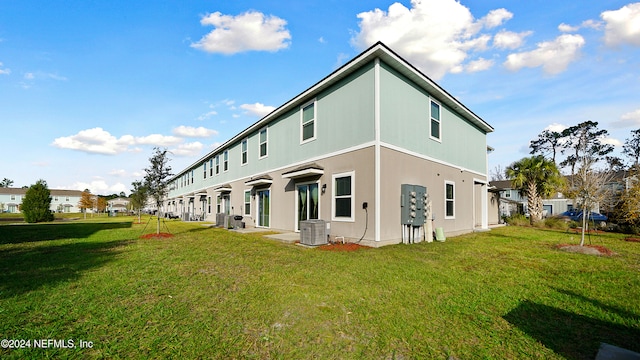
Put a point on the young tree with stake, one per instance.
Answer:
(156, 179)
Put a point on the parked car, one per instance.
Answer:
(577, 216)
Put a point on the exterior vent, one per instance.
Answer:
(313, 232)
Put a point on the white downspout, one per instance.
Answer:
(377, 170)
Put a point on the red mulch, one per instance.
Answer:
(601, 249)
(342, 247)
(632, 239)
(156, 236)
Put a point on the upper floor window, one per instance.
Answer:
(263, 142)
(217, 164)
(210, 167)
(192, 172)
(225, 163)
(308, 122)
(435, 123)
(245, 158)
(205, 169)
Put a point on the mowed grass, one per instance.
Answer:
(211, 293)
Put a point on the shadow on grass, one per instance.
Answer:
(15, 234)
(570, 335)
(27, 269)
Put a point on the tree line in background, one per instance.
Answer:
(593, 176)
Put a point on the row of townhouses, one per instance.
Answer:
(62, 201)
(345, 151)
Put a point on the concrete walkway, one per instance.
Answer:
(286, 237)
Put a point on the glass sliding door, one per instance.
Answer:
(263, 208)
(308, 208)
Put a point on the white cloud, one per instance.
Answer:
(479, 65)
(188, 149)
(321, 40)
(630, 119)
(157, 140)
(246, 32)
(118, 172)
(568, 28)
(611, 141)
(496, 17)
(434, 35)
(4, 71)
(29, 76)
(207, 115)
(193, 132)
(553, 56)
(555, 127)
(510, 40)
(592, 24)
(97, 187)
(257, 109)
(622, 25)
(100, 141)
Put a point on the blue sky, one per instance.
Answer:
(87, 89)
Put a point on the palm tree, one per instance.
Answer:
(536, 178)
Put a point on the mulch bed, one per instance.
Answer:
(156, 236)
(343, 247)
(632, 239)
(586, 249)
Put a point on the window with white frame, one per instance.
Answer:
(449, 200)
(507, 193)
(225, 163)
(217, 164)
(210, 167)
(244, 149)
(343, 197)
(308, 122)
(205, 170)
(247, 202)
(435, 124)
(263, 143)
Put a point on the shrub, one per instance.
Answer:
(556, 223)
(36, 203)
(517, 220)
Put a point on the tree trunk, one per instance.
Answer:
(533, 203)
(585, 223)
(158, 227)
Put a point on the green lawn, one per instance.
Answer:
(210, 293)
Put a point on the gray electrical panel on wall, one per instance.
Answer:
(412, 203)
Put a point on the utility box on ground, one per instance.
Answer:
(313, 232)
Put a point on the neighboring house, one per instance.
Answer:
(61, 200)
(341, 150)
(512, 202)
(119, 204)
